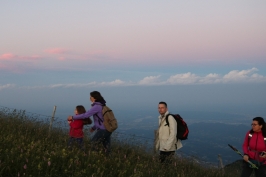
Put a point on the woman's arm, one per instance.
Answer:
(245, 147)
(94, 110)
(246, 144)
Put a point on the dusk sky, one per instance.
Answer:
(66, 47)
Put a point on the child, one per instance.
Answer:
(76, 129)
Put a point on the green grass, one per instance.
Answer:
(27, 149)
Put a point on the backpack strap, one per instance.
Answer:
(166, 119)
(250, 136)
(97, 114)
(107, 112)
(100, 121)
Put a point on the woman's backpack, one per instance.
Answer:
(109, 120)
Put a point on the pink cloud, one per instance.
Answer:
(10, 56)
(61, 58)
(16, 63)
(33, 57)
(56, 51)
(7, 56)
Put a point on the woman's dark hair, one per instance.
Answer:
(80, 109)
(260, 121)
(98, 97)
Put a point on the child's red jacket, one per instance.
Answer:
(76, 129)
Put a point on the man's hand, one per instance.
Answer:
(69, 118)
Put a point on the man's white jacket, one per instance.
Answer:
(166, 135)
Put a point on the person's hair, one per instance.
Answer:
(162, 102)
(260, 121)
(97, 96)
(80, 109)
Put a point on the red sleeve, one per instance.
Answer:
(76, 124)
(245, 144)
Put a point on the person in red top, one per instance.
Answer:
(254, 148)
(76, 129)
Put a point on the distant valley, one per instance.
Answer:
(210, 134)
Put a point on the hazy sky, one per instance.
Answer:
(83, 45)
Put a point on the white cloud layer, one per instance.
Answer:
(150, 80)
(185, 78)
(7, 86)
(234, 76)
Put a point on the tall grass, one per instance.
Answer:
(27, 149)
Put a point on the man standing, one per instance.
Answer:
(166, 140)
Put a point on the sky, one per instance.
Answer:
(56, 52)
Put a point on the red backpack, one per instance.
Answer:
(182, 128)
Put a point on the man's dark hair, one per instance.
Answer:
(162, 102)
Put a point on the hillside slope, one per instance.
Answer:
(27, 149)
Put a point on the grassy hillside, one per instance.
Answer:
(27, 149)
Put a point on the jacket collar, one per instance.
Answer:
(96, 103)
(163, 116)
